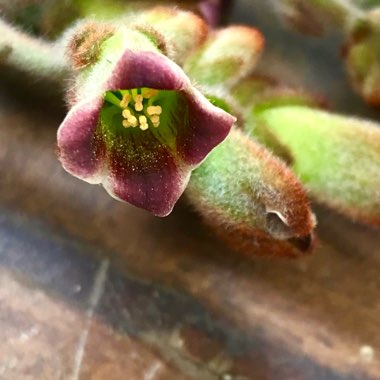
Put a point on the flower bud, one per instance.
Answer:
(362, 58)
(228, 55)
(314, 17)
(252, 200)
(50, 18)
(336, 157)
(85, 44)
(184, 30)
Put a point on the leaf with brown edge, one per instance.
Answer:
(314, 17)
(336, 157)
(228, 55)
(252, 200)
(183, 30)
(362, 59)
(84, 46)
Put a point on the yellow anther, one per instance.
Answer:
(138, 102)
(142, 119)
(143, 123)
(154, 110)
(133, 121)
(126, 113)
(155, 119)
(138, 98)
(125, 101)
(126, 123)
(139, 107)
(149, 92)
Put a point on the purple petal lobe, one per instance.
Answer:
(207, 127)
(146, 69)
(144, 173)
(80, 152)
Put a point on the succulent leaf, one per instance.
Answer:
(336, 157)
(251, 199)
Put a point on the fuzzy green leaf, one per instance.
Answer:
(336, 157)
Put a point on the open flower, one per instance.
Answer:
(144, 132)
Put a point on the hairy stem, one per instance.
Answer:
(345, 11)
(37, 58)
(312, 16)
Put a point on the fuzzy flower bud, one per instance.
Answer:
(50, 18)
(185, 31)
(336, 157)
(252, 200)
(228, 55)
(362, 57)
(84, 47)
(314, 17)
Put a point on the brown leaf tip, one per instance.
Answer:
(84, 47)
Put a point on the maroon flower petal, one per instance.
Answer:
(79, 151)
(146, 69)
(145, 174)
(207, 127)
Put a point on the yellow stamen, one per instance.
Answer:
(125, 101)
(142, 119)
(138, 102)
(133, 121)
(154, 110)
(138, 98)
(149, 93)
(126, 113)
(155, 119)
(126, 123)
(143, 122)
(139, 107)
(145, 111)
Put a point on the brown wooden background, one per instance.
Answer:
(94, 289)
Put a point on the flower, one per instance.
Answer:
(142, 132)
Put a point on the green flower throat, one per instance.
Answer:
(138, 107)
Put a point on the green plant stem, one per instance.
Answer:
(342, 13)
(37, 58)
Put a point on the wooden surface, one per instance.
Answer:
(94, 289)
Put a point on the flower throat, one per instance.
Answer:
(138, 107)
